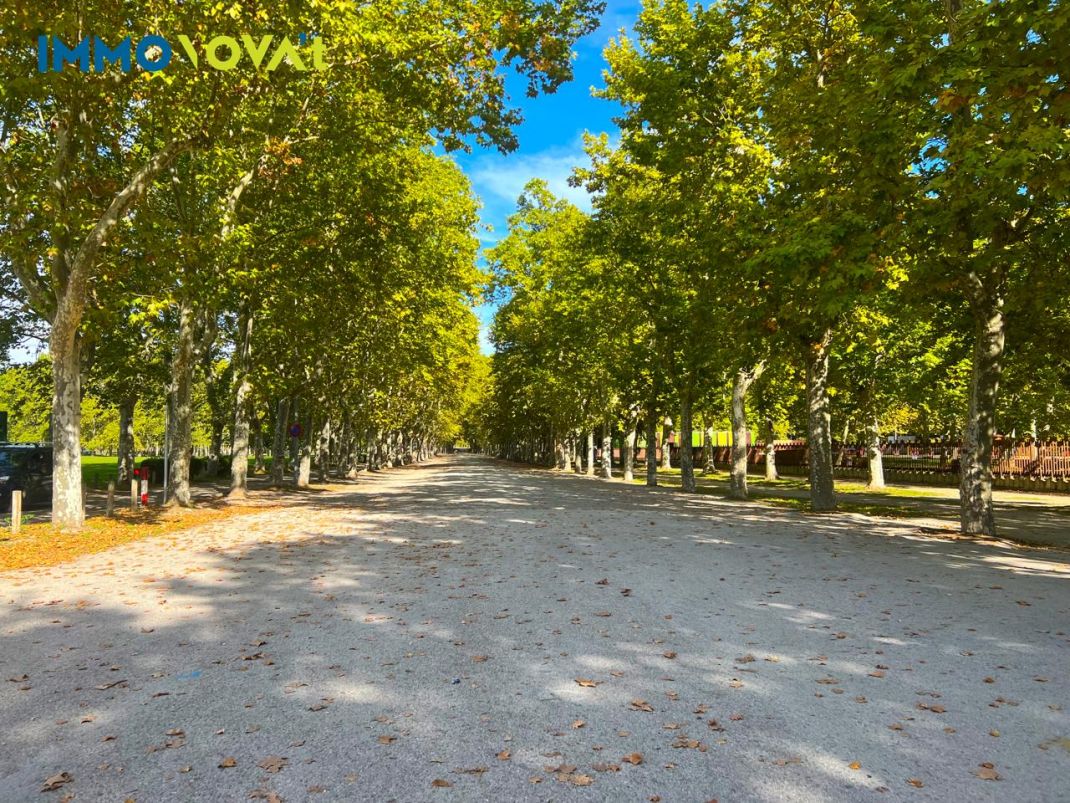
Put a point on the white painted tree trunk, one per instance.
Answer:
(819, 426)
(976, 513)
(590, 453)
(607, 451)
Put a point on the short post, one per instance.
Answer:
(16, 512)
(111, 498)
(133, 494)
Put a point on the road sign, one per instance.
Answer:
(296, 430)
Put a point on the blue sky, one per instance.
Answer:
(551, 136)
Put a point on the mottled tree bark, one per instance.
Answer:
(239, 457)
(770, 450)
(652, 446)
(874, 458)
(607, 450)
(687, 453)
(819, 426)
(666, 448)
(627, 450)
(303, 467)
(372, 449)
(976, 513)
(258, 451)
(737, 488)
(278, 446)
(324, 456)
(63, 305)
(67, 509)
(590, 453)
(182, 410)
(126, 442)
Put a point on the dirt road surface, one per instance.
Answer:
(468, 630)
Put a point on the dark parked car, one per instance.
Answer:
(27, 469)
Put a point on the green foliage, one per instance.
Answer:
(881, 173)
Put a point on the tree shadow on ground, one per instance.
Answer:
(386, 637)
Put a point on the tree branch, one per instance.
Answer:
(71, 300)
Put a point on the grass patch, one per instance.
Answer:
(765, 492)
(42, 545)
(98, 470)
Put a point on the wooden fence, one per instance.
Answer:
(1010, 460)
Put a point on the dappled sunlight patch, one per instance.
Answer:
(350, 691)
(850, 772)
(601, 662)
(1029, 566)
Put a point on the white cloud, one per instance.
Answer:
(502, 178)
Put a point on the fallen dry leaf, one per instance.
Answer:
(587, 683)
(574, 778)
(272, 764)
(987, 772)
(228, 762)
(56, 781)
(635, 759)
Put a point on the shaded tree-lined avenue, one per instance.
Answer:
(433, 624)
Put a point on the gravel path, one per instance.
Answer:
(469, 630)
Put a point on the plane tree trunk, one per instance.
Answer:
(819, 426)
(687, 453)
(976, 513)
(744, 379)
(125, 471)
